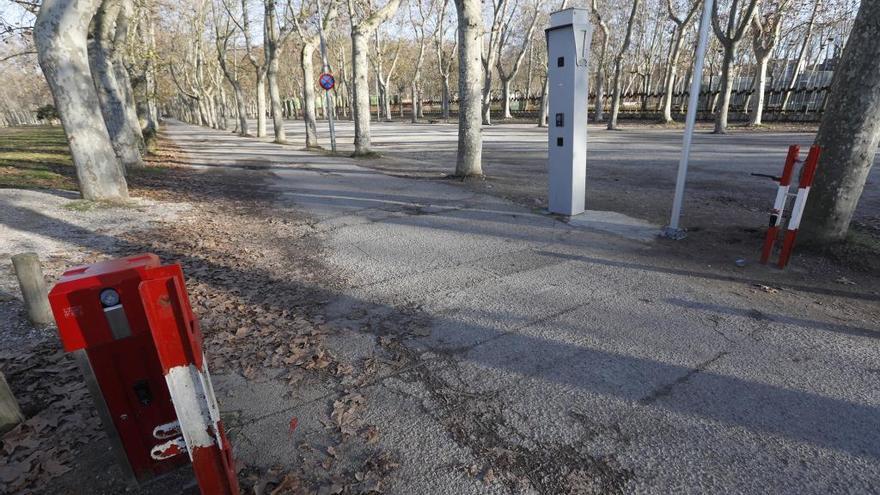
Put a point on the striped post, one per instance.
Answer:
(779, 205)
(178, 342)
(807, 174)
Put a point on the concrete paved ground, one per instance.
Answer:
(571, 359)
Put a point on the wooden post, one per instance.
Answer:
(33, 287)
(10, 414)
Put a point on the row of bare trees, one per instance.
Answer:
(103, 92)
(219, 62)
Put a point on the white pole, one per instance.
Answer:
(327, 98)
(673, 231)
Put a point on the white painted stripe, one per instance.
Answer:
(191, 406)
(779, 204)
(798, 209)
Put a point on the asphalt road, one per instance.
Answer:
(566, 359)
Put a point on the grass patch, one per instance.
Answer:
(36, 157)
(860, 251)
(368, 154)
(83, 205)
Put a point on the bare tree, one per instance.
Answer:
(383, 79)
(360, 34)
(500, 17)
(798, 66)
(60, 36)
(618, 66)
(675, 51)
(142, 62)
(422, 39)
(106, 50)
(444, 58)
(258, 63)
(601, 76)
(310, 38)
(849, 133)
(470, 134)
(506, 75)
(765, 34)
(223, 34)
(738, 21)
(276, 34)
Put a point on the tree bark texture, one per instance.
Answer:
(110, 79)
(360, 34)
(849, 133)
(361, 93)
(60, 36)
(275, 98)
(726, 86)
(470, 73)
(729, 38)
(261, 102)
(308, 92)
(618, 67)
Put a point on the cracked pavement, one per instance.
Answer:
(559, 359)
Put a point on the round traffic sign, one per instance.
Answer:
(327, 81)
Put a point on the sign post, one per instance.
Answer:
(673, 231)
(328, 100)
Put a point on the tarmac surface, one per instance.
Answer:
(571, 358)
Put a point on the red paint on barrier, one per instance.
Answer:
(214, 468)
(779, 205)
(807, 174)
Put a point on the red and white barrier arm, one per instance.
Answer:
(178, 342)
(779, 204)
(797, 211)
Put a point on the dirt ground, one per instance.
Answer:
(632, 171)
(262, 316)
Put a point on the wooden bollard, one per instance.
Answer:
(10, 414)
(33, 287)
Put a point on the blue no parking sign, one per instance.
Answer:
(327, 81)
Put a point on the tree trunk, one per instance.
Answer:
(60, 36)
(726, 86)
(386, 102)
(618, 67)
(792, 82)
(104, 58)
(527, 104)
(675, 50)
(545, 101)
(261, 102)
(760, 84)
(240, 106)
(849, 133)
(470, 71)
(122, 75)
(415, 112)
(445, 97)
(599, 106)
(505, 97)
(308, 92)
(601, 76)
(275, 99)
(361, 93)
